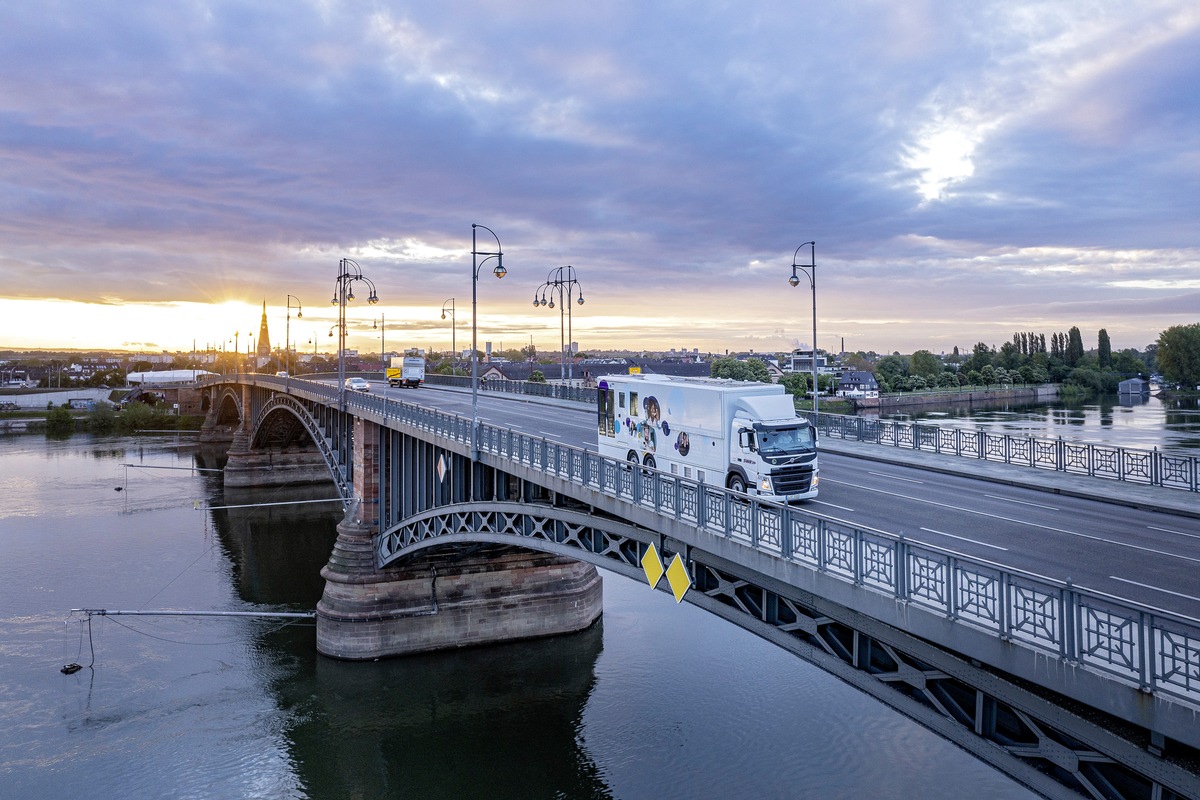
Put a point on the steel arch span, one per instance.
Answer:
(1031, 739)
(284, 420)
(228, 403)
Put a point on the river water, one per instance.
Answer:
(655, 701)
(1143, 423)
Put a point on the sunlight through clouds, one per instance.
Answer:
(963, 167)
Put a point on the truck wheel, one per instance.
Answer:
(649, 462)
(737, 483)
(631, 456)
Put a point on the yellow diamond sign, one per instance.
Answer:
(677, 576)
(652, 565)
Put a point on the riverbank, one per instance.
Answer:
(958, 397)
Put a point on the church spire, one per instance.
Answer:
(264, 338)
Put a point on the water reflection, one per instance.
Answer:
(276, 552)
(1165, 423)
(497, 722)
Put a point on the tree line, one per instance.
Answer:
(1033, 357)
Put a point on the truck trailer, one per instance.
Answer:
(407, 370)
(746, 435)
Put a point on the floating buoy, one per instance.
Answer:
(70, 669)
(118, 488)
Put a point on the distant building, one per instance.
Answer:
(802, 361)
(861, 385)
(263, 351)
(1133, 386)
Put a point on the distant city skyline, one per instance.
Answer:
(967, 171)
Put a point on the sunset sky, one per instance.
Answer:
(967, 170)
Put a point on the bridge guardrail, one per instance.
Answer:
(1156, 650)
(1150, 467)
(576, 393)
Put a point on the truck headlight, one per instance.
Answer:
(764, 485)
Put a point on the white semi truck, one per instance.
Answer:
(745, 435)
(409, 371)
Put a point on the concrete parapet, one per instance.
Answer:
(445, 601)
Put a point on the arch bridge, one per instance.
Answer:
(458, 533)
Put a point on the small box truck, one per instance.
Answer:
(408, 370)
(745, 435)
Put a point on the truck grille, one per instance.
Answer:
(792, 480)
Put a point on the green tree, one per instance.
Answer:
(102, 418)
(137, 416)
(1179, 354)
(1074, 351)
(981, 356)
(537, 376)
(60, 422)
(988, 375)
(749, 370)
(891, 369)
(925, 364)
(1010, 356)
(858, 362)
(1128, 362)
(795, 384)
(1104, 350)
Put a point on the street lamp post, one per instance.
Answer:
(499, 271)
(343, 292)
(381, 325)
(453, 330)
(287, 335)
(564, 281)
(810, 272)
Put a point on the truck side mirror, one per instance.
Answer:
(746, 439)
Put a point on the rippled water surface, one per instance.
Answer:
(657, 700)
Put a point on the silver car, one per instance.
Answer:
(358, 384)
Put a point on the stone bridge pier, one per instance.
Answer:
(445, 597)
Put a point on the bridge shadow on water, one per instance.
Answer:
(502, 721)
(498, 722)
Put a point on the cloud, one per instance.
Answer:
(944, 156)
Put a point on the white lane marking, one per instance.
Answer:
(1026, 522)
(1154, 588)
(1177, 533)
(1022, 502)
(833, 505)
(965, 539)
(894, 477)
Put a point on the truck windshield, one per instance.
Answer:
(785, 441)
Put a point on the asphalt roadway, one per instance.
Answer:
(1127, 540)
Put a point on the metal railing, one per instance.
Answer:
(1154, 649)
(575, 392)
(1149, 467)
